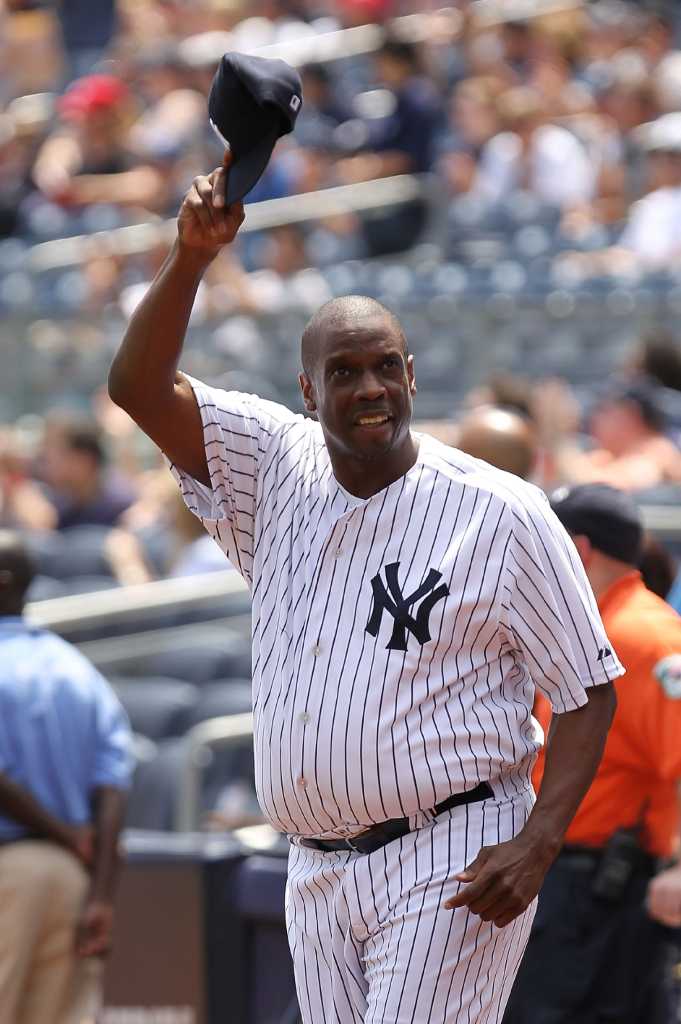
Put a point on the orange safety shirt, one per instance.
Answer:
(639, 774)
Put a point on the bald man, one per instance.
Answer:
(501, 437)
(400, 593)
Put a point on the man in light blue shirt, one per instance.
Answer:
(65, 765)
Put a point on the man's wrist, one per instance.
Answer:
(195, 258)
(544, 836)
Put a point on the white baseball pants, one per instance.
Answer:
(372, 943)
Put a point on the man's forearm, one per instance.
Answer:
(150, 351)
(19, 805)
(574, 750)
(108, 811)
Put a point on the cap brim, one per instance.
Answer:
(246, 170)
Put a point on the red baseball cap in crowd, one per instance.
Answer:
(252, 102)
(90, 94)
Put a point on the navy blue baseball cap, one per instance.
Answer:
(252, 102)
(607, 516)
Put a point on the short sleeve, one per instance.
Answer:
(237, 431)
(551, 613)
(113, 762)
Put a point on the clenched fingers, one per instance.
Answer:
(199, 201)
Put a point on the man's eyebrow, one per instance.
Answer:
(351, 355)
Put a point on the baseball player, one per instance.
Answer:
(407, 599)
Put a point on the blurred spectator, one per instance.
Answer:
(159, 538)
(14, 172)
(87, 159)
(651, 238)
(596, 949)
(506, 390)
(658, 358)
(631, 449)
(322, 100)
(190, 553)
(473, 121)
(402, 140)
(22, 504)
(73, 466)
(170, 129)
(531, 153)
(64, 768)
(87, 28)
(657, 567)
(653, 231)
(501, 437)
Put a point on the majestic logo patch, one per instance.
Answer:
(396, 604)
(668, 673)
(604, 653)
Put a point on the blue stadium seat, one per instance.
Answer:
(44, 588)
(78, 551)
(153, 796)
(223, 697)
(88, 584)
(202, 662)
(158, 708)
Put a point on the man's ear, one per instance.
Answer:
(308, 392)
(411, 375)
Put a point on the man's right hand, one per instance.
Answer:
(205, 223)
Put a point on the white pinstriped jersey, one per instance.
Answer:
(398, 639)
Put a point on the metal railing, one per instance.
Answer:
(228, 730)
(144, 600)
(138, 238)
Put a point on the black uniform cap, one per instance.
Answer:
(607, 516)
(252, 102)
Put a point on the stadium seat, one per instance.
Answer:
(158, 708)
(223, 697)
(153, 796)
(44, 588)
(88, 584)
(202, 663)
(78, 551)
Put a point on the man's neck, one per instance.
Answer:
(365, 477)
(603, 575)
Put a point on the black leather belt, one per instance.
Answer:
(378, 835)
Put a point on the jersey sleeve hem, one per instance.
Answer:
(202, 500)
(573, 702)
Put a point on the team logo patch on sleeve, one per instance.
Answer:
(668, 673)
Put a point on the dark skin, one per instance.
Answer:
(360, 387)
(359, 381)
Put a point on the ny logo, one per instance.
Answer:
(396, 604)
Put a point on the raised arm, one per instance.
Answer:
(144, 379)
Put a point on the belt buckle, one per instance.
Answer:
(352, 845)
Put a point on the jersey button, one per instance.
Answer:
(302, 782)
(316, 650)
(304, 718)
(338, 552)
